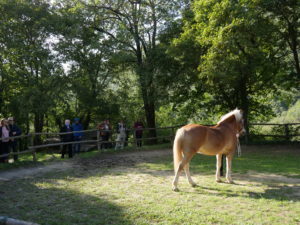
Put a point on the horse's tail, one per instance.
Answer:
(177, 148)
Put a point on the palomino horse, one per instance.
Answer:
(219, 140)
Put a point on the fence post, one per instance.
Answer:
(98, 140)
(287, 132)
(32, 144)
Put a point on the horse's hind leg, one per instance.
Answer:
(186, 159)
(228, 168)
(188, 175)
(218, 167)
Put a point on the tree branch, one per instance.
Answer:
(114, 37)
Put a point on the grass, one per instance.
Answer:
(26, 160)
(141, 193)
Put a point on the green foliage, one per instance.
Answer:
(234, 47)
(30, 72)
(292, 115)
(167, 62)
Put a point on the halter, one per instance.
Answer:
(238, 145)
(239, 150)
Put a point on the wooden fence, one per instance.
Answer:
(90, 137)
(164, 133)
(277, 132)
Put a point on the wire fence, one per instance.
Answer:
(28, 144)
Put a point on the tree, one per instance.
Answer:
(135, 27)
(285, 17)
(89, 56)
(31, 73)
(239, 64)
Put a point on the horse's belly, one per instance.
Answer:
(205, 151)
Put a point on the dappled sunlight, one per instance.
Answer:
(62, 202)
(139, 192)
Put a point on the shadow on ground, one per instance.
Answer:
(57, 206)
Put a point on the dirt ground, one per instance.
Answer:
(128, 159)
(103, 161)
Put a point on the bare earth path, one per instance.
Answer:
(127, 159)
(104, 160)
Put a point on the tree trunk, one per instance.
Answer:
(150, 117)
(86, 120)
(293, 43)
(38, 127)
(296, 57)
(149, 104)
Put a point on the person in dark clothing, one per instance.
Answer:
(67, 138)
(4, 134)
(15, 131)
(138, 132)
(105, 130)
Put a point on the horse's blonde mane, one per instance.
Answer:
(237, 113)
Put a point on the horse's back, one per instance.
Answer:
(193, 135)
(202, 139)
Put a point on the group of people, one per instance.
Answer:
(8, 131)
(122, 134)
(73, 133)
(75, 127)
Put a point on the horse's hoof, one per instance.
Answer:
(194, 185)
(230, 182)
(219, 181)
(175, 189)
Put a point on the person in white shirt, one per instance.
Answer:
(4, 144)
(121, 135)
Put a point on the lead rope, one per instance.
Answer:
(239, 150)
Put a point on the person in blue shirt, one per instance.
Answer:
(77, 126)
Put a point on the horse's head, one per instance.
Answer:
(235, 117)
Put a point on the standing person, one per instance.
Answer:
(15, 131)
(121, 135)
(104, 129)
(67, 138)
(138, 132)
(108, 134)
(4, 134)
(77, 126)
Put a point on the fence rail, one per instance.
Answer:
(92, 136)
(283, 131)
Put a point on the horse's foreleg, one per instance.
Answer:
(228, 168)
(188, 175)
(182, 164)
(218, 167)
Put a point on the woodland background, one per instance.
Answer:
(164, 62)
